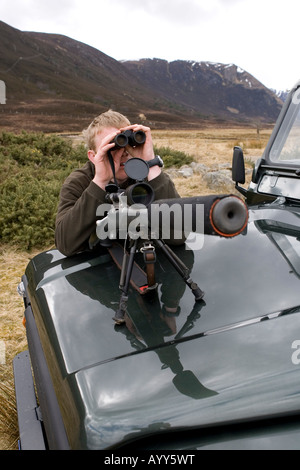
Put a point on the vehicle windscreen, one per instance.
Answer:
(286, 146)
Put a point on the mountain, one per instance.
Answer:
(208, 89)
(281, 94)
(54, 83)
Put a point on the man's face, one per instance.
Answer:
(119, 155)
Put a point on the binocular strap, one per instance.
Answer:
(112, 164)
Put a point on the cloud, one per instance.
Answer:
(175, 11)
(231, 2)
(30, 13)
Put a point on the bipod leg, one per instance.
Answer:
(181, 268)
(125, 277)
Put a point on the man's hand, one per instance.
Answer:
(145, 151)
(103, 141)
(103, 170)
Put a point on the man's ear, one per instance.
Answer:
(91, 155)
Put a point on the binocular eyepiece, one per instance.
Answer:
(129, 137)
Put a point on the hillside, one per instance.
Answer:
(54, 83)
(209, 89)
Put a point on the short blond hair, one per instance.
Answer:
(108, 119)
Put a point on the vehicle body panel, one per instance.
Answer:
(242, 365)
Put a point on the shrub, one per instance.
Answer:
(173, 158)
(33, 168)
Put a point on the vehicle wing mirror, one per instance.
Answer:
(238, 166)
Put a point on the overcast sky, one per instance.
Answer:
(260, 36)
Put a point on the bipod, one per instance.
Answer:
(142, 282)
(148, 251)
(126, 271)
(181, 268)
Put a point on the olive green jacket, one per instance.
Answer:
(79, 199)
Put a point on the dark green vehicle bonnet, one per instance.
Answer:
(176, 364)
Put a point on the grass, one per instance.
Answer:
(12, 334)
(211, 146)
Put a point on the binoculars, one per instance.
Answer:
(129, 137)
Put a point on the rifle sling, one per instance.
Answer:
(140, 280)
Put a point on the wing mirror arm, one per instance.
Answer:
(238, 169)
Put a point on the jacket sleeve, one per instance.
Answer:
(76, 215)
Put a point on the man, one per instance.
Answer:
(84, 190)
